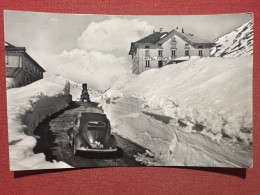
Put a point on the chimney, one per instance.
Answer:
(182, 30)
(161, 30)
(153, 30)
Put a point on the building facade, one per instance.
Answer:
(21, 69)
(163, 48)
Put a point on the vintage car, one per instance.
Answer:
(84, 94)
(91, 132)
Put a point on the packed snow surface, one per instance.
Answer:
(238, 42)
(9, 82)
(195, 113)
(27, 106)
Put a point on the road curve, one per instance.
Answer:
(53, 142)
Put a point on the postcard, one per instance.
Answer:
(125, 90)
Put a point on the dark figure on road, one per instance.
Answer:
(84, 94)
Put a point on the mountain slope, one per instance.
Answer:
(238, 42)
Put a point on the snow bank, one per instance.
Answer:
(211, 97)
(27, 106)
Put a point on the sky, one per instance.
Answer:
(99, 44)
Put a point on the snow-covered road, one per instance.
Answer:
(54, 144)
(170, 144)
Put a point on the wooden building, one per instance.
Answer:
(21, 69)
(162, 48)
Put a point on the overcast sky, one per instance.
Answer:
(60, 31)
(48, 37)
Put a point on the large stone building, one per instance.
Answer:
(21, 69)
(161, 48)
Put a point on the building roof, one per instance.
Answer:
(12, 71)
(191, 38)
(28, 56)
(152, 38)
(10, 47)
(164, 36)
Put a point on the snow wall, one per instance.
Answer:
(196, 113)
(43, 108)
(27, 107)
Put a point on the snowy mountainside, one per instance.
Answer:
(236, 43)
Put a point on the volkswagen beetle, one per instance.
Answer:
(91, 132)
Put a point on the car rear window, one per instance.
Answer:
(96, 124)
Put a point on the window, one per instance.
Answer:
(173, 53)
(147, 63)
(200, 52)
(20, 61)
(186, 46)
(94, 125)
(26, 64)
(160, 53)
(173, 39)
(6, 59)
(187, 53)
(173, 45)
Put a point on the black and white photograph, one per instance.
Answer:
(86, 90)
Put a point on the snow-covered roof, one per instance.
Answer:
(193, 39)
(152, 38)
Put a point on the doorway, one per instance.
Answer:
(160, 64)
